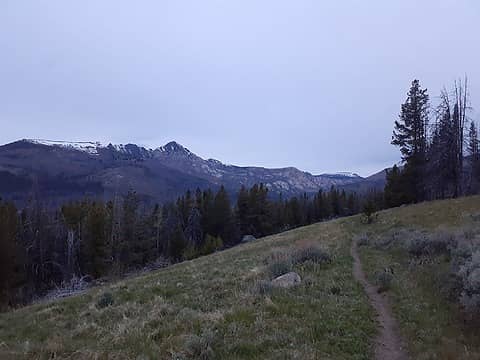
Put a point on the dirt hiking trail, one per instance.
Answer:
(388, 344)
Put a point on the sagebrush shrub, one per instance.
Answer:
(277, 255)
(200, 347)
(313, 254)
(384, 281)
(262, 287)
(106, 299)
(391, 239)
(281, 262)
(423, 245)
(462, 253)
(470, 233)
(469, 274)
(279, 267)
(363, 240)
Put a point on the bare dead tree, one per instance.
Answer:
(447, 145)
(460, 109)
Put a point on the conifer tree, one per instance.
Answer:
(94, 245)
(129, 233)
(334, 198)
(242, 212)
(223, 222)
(294, 214)
(442, 152)
(206, 212)
(259, 210)
(473, 152)
(395, 188)
(8, 249)
(193, 231)
(177, 244)
(410, 135)
(351, 203)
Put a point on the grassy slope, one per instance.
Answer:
(433, 327)
(208, 304)
(165, 313)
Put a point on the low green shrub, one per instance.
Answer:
(190, 252)
(211, 244)
(369, 212)
(335, 290)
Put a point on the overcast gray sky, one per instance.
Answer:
(312, 84)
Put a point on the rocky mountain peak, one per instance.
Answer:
(174, 148)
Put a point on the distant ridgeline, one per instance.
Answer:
(58, 171)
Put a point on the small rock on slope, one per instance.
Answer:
(287, 280)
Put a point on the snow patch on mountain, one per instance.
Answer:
(93, 147)
(89, 147)
(344, 173)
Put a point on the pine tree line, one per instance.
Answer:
(41, 248)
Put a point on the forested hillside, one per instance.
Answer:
(71, 246)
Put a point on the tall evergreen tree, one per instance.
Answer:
(223, 222)
(395, 189)
(260, 217)
(410, 135)
(206, 212)
(129, 230)
(242, 212)
(94, 246)
(193, 231)
(334, 198)
(442, 152)
(177, 243)
(473, 152)
(8, 249)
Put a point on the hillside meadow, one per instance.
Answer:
(222, 307)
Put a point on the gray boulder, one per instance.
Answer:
(248, 238)
(287, 280)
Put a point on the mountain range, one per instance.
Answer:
(60, 170)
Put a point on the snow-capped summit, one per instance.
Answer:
(94, 147)
(90, 147)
